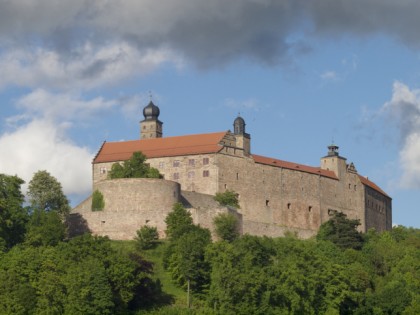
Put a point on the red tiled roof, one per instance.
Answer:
(293, 166)
(372, 185)
(161, 147)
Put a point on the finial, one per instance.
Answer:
(150, 95)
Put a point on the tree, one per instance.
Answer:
(187, 262)
(226, 226)
(98, 202)
(45, 229)
(135, 167)
(147, 237)
(228, 198)
(87, 288)
(45, 193)
(341, 231)
(13, 217)
(178, 222)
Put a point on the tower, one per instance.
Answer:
(243, 139)
(334, 162)
(151, 126)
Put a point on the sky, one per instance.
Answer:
(303, 74)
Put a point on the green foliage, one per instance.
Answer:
(187, 261)
(184, 256)
(147, 237)
(228, 198)
(82, 276)
(135, 167)
(13, 217)
(226, 226)
(45, 229)
(283, 276)
(178, 221)
(341, 231)
(98, 202)
(45, 193)
(88, 289)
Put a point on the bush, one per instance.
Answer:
(228, 198)
(147, 237)
(226, 226)
(98, 202)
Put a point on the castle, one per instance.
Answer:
(275, 196)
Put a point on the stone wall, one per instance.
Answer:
(378, 211)
(130, 204)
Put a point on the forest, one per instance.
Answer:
(340, 271)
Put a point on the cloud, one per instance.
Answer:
(43, 145)
(96, 41)
(88, 44)
(90, 66)
(39, 138)
(404, 111)
(60, 107)
(329, 75)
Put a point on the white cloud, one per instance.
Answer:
(88, 67)
(38, 138)
(43, 145)
(329, 75)
(404, 111)
(60, 107)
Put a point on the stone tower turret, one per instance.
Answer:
(243, 139)
(151, 126)
(334, 162)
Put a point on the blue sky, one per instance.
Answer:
(301, 74)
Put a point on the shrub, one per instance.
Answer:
(98, 202)
(228, 198)
(226, 226)
(147, 237)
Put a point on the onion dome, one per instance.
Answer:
(239, 125)
(151, 112)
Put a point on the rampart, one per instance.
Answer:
(130, 204)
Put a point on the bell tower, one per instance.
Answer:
(243, 139)
(334, 162)
(151, 126)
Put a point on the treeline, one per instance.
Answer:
(340, 271)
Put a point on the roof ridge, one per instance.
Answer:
(171, 137)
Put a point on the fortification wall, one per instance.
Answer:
(130, 204)
(272, 196)
(289, 199)
(378, 211)
(204, 209)
(273, 230)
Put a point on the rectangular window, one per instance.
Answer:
(175, 176)
(176, 163)
(205, 161)
(191, 162)
(191, 174)
(102, 170)
(206, 173)
(161, 164)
